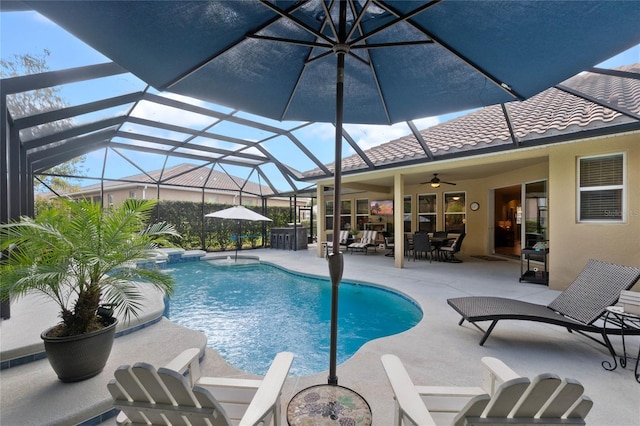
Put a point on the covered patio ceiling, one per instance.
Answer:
(136, 128)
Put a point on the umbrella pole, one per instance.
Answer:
(238, 240)
(336, 261)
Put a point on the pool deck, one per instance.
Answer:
(436, 352)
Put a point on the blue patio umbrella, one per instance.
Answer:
(355, 61)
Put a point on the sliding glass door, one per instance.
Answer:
(535, 212)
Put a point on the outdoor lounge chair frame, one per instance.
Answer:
(577, 308)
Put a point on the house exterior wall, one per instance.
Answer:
(571, 243)
(478, 226)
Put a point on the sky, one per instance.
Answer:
(29, 32)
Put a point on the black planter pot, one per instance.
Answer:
(81, 357)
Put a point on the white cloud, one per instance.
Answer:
(175, 116)
(368, 136)
(319, 131)
(165, 114)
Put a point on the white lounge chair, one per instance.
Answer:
(368, 240)
(342, 237)
(505, 398)
(178, 395)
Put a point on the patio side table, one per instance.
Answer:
(534, 276)
(617, 315)
(328, 405)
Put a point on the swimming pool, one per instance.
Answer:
(251, 312)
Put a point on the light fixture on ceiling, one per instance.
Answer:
(435, 181)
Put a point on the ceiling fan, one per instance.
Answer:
(435, 181)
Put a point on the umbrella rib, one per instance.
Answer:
(330, 52)
(318, 34)
(327, 12)
(502, 85)
(396, 44)
(299, 79)
(320, 56)
(377, 83)
(211, 58)
(293, 91)
(291, 41)
(356, 23)
(287, 14)
(399, 18)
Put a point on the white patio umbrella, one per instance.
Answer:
(238, 213)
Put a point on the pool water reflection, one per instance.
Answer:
(251, 312)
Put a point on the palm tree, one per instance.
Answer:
(82, 256)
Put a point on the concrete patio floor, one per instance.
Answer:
(436, 352)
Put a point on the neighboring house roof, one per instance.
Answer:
(187, 176)
(585, 105)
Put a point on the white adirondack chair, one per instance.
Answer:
(505, 398)
(178, 395)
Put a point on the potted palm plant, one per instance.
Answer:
(84, 258)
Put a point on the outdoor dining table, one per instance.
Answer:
(438, 242)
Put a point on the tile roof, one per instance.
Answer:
(192, 176)
(554, 115)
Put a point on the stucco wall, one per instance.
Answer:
(479, 226)
(573, 243)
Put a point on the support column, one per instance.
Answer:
(14, 185)
(203, 240)
(398, 220)
(26, 184)
(4, 160)
(31, 210)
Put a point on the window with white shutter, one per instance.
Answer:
(601, 188)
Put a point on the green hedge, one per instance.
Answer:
(217, 234)
(213, 234)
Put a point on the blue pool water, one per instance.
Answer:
(251, 312)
